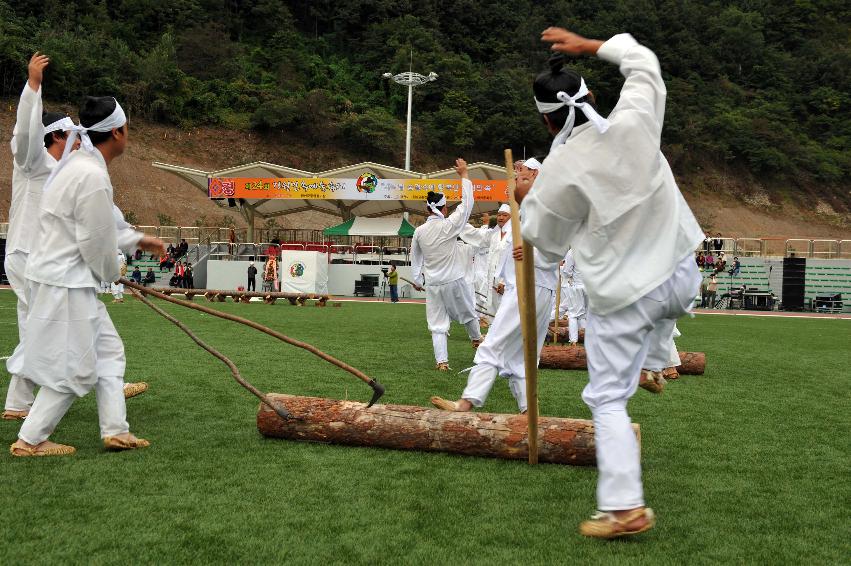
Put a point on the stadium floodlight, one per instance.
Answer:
(410, 80)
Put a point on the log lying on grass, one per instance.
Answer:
(573, 357)
(563, 333)
(269, 297)
(404, 427)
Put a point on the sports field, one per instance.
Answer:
(746, 464)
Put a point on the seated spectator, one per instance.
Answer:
(709, 260)
(720, 263)
(174, 281)
(138, 255)
(701, 261)
(166, 262)
(737, 266)
(136, 275)
(150, 277)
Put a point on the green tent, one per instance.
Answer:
(359, 226)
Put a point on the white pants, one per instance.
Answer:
(50, 406)
(674, 355)
(618, 345)
(577, 310)
(502, 351)
(117, 290)
(445, 303)
(20, 395)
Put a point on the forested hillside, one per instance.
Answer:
(759, 89)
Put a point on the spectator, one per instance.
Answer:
(170, 250)
(711, 290)
(150, 277)
(718, 243)
(138, 255)
(136, 275)
(166, 262)
(701, 261)
(180, 270)
(182, 248)
(174, 281)
(189, 279)
(709, 260)
(704, 292)
(393, 281)
(252, 275)
(737, 267)
(720, 263)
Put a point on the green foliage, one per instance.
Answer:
(164, 219)
(131, 217)
(761, 84)
(376, 131)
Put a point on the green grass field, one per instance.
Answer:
(748, 464)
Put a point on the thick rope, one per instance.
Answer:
(274, 333)
(279, 409)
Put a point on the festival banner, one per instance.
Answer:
(365, 187)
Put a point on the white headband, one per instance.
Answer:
(504, 208)
(65, 123)
(115, 120)
(436, 206)
(532, 163)
(566, 100)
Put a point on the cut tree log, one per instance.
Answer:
(405, 427)
(573, 357)
(563, 333)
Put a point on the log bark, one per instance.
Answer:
(244, 296)
(573, 357)
(563, 333)
(404, 427)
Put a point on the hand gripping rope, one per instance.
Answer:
(139, 291)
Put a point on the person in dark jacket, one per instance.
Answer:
(252, 277)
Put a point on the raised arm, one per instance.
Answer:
(461, 215)
(28, 135)
(644, 90)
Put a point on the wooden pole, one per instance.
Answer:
(524, 272)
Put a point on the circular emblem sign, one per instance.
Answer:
(297, 269)
(367, 183)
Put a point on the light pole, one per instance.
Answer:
(410, 80)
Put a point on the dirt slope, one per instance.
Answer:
(147, 192)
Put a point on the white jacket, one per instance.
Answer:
(31, 168)
(434, 253)
(612, 196)
(79, 227)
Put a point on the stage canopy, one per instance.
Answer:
(367, 206)
(360, 226)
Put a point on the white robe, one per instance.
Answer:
(75, 250)
(612, 196)
(31, 167)
(437, 261)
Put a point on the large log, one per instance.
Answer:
(269, 297)
(573, 357)
(404, 427)
(563, 335)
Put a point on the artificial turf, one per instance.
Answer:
(748, 463)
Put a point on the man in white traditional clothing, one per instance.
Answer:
(437, 263)
(574, 300)
(38, 142)
(116, 287)
(74, 249)
(493, 244)
(607, 191)
(501, 353)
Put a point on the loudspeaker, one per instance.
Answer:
(794, 282)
